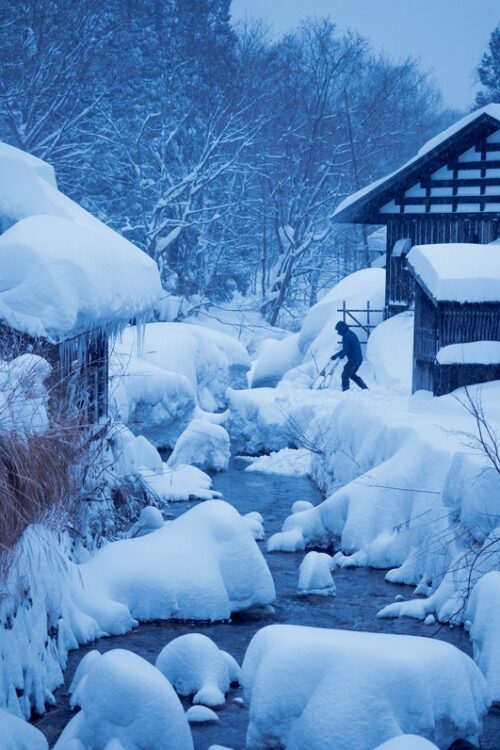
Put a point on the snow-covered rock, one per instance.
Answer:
(196, 667)
(315, 574)
(128, 704)
(154, 402)
(201, 715)
(483, 623)
(210, 360)
(308, 687)
(202, 566)
(300, 505)
(202, 444)
(17, 734)
(292, 462)
(255, 525)
(275, 361)
(150, 519)
(407, 742)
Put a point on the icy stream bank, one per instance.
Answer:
(360, 595)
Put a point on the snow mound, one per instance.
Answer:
(60, 278)
(292, 676)
(292, 462)
(210, 360)
(202, 444)
(134, 456)
(128, 704)
(407, 742)
(473, 352)
(300, 505)
(275, 361)
(150, 519)
(286, 541)
(195, 666)
(483, 622)
(201, 715)
(315, 576)
(255, 525)
(390, 351)
(204, 565)
(154, 402)
(17, 734)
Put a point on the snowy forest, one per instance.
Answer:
(249, 385)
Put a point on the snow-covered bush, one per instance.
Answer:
(314, 688)
(202, 566)
(315, 574)
(196, 667)
(126, 704)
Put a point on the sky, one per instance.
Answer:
(448, 36)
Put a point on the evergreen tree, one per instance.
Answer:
(489, 71)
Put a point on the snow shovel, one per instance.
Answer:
(324, 378)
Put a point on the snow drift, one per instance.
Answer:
(308, 687)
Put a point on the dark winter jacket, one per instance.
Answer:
(351, 348)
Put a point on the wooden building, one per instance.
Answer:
(448, 193)
(68, 283)
(457, 316)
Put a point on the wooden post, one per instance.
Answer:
(367, 319)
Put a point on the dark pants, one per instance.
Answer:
(349, 373)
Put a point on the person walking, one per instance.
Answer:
(351, 348)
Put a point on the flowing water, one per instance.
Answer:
(361, 593)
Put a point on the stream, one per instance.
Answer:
(361, 593)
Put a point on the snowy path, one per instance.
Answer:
(360, 595)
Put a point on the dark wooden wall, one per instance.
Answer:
(78, 383)
(445, 323)
(429, 230)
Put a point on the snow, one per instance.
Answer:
(208, 359)
(202, 444)
(128, 704)
(407, 742)
(291, 462)
(458, 272)
(276, 360)
(196, 667)
(201, 715)
(491, 109)
(473, 352)
(390, 352)
(56, 278)
(150, 519)
(315, 575)
(155, 402)
(300, 505)
(310, 687)
(483, 623)
(17, 734)
(204, 565)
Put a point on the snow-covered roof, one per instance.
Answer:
(458, 272)
(62, 270)
(473, 352)
(490, 110)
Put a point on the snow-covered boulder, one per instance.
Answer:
(255, 523)
(150, 519)
(134, 456)
(292, 462)
(196, 667)
(315, 574)
(204, 565)
(203, 444)
(17, 734)
(483, 622)
(210, 360)
(300, 505)
(126, 704)
(155, 402)
(315, 688)
(407, 742)
(201, 715)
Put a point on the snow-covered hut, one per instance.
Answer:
(457, 315)
(67, 282)
(448, 192)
